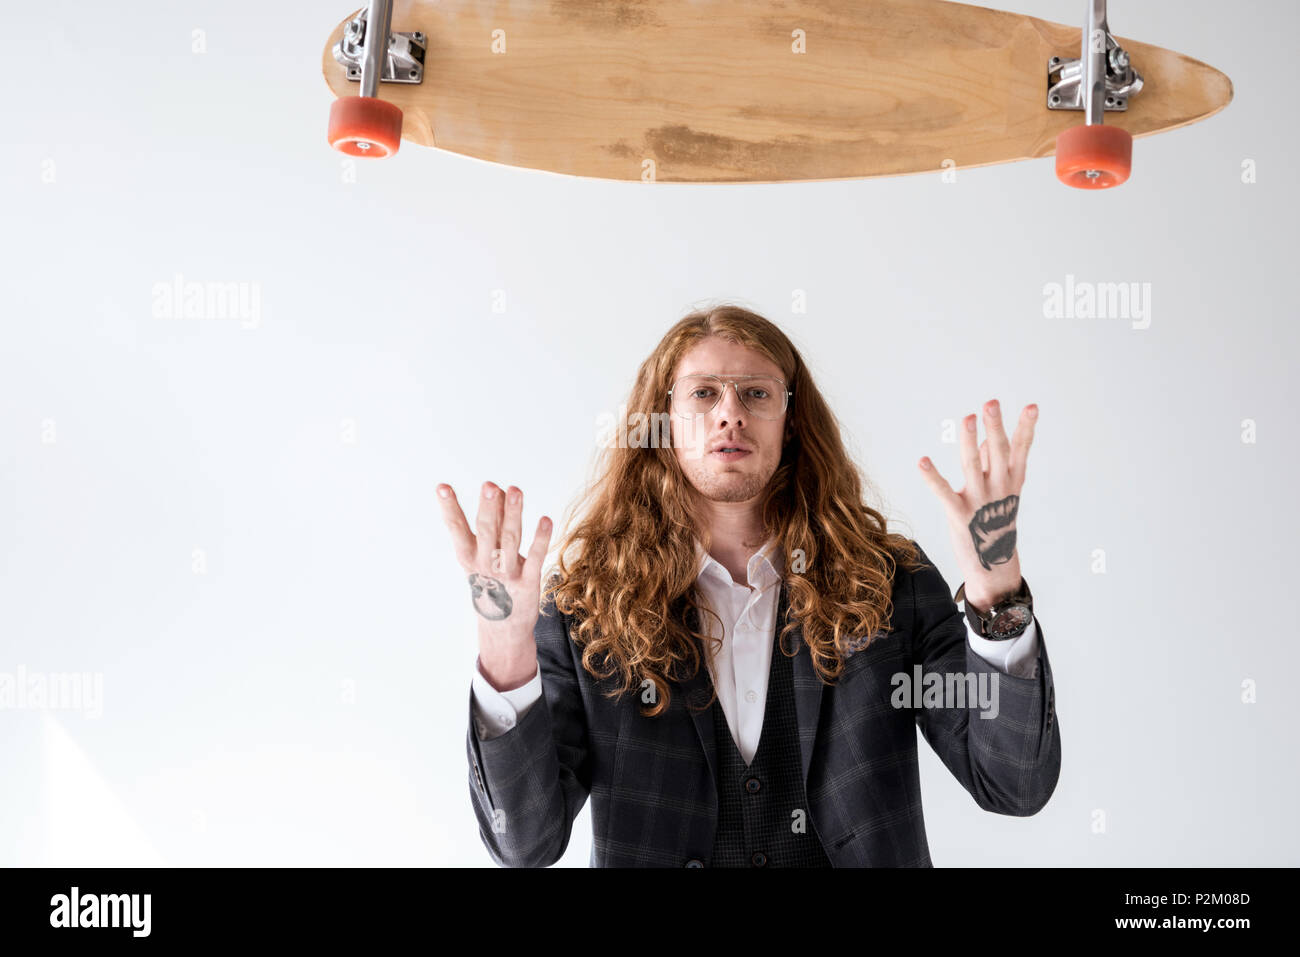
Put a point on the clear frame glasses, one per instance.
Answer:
(695, 395)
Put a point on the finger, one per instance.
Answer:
(510, 534)
(537, 554)
(939, 485)
(488, 523)
(999, 447)
(984, 456)
(970, 457)
(462, 537)
(1020, 443)
(498, 568)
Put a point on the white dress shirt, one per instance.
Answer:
(744, 661)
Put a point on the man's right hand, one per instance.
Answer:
(505, 587)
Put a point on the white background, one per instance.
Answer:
(129, 442)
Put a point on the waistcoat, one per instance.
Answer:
(763, 816)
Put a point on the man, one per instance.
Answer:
(743, 543)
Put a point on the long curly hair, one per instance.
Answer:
(627, 568)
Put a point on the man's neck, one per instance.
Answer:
(737, 533)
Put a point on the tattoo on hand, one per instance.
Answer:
(491, 600)
(993, 530)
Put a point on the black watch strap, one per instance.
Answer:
(981, 622)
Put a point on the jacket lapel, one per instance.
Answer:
(697, 690)
(807, 687)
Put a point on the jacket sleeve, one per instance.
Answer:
(1009, 763)
(528, 784)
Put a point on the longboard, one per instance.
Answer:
(755, 91)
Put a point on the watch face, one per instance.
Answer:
(1011, 621)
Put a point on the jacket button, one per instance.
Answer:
(758, 859)
(753, 785)
(694, 862)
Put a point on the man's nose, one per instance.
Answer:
(730, 408)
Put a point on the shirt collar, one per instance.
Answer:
(764, 565)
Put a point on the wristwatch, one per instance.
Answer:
(1007, 618)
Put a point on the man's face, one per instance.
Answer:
(728, 478)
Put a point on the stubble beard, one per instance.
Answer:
(738, 485)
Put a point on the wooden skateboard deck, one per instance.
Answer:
(712, 91)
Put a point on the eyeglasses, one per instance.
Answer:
(694, 395)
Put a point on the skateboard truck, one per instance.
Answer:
(365, 125)
(1093, 156)
(403, 60)
(1065, 80)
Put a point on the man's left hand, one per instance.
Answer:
(982, 516)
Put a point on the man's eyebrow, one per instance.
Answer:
(736, 375)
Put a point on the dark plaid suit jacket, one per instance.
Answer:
(651, 780)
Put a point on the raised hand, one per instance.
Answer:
(982, 517)
(504, 587)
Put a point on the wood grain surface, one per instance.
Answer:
(712, 90)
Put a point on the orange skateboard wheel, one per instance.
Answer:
(365, 126)
(1094, 157)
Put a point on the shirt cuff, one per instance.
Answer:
(496, 712)
(1017, 657)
